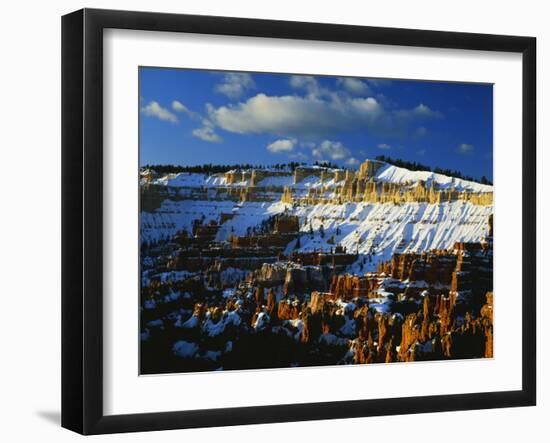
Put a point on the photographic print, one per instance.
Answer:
(304, 220)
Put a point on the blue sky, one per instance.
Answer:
(191, 117)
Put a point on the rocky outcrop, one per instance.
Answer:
(348, 286)
(258, 175)
(432, 267)
(368, 169)
(336, 258)
(287, 196)
(299, 280)
(235, 176)
(363, 187)
(301, 173)
(487, 323)
(286, 224)
(271, 274)
(151, 196)
(285, 229)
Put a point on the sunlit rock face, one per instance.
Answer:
(315, 266)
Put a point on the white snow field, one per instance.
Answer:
(394, 174)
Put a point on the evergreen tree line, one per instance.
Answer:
(415, 166)
(326, 164)
(210, 168)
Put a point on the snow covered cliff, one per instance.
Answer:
(379, 210)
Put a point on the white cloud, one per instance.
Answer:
(235, 84)
(422, 109)
(332, 150)
(282, 146)
(384, 146)
(421, 152)
(465, 148)
(207, 134)
(180, 107)
(154, 109)
(354, 85)
(294, 116)
(419, 112)
(305, 82)
(302, 81)
(313, 116)
(346, 85)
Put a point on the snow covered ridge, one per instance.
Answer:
(314, 177)
(371, 223)
(394, 174)
(378, 229)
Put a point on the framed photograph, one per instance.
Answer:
(269, 221)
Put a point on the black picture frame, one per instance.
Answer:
(82, 215)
